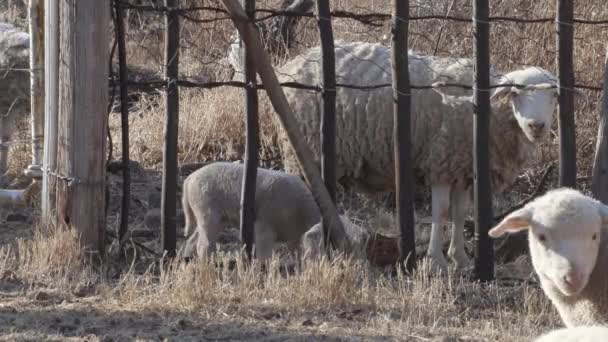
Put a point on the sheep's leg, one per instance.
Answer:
(459, 202)
(189, 218)
(295, 247)
(6, 130)
(440, 206)
(264, 242)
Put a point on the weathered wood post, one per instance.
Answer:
(83, 100)
(51, 90)
(404, 176)
(251, 146)
(36, 17)
(599, 183)
(286, 118)
(328, 111)
(567, 134)
(169, 182)
(484, 252)
(124, 122)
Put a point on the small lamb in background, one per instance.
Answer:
(569, 251)
(578, 334)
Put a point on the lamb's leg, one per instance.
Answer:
(459, 202)
(440, 206)
(189, 218)
(265, 239)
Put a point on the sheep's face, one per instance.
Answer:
(533, 110)
(564, 235)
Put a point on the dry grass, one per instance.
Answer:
(340, 299)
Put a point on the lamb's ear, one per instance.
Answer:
(514, 222)
(604, 213)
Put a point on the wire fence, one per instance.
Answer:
(274, 24)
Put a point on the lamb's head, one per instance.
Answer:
(14, 46)
(565, 229)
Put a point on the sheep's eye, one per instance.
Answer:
(542, 237)
(594, 237)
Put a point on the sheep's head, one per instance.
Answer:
(14, 46)
(533, 105)
(564, 231)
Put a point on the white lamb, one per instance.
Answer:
(14, 87)
(441, 133)
(284, 206)
(578, 334)
(568, 240)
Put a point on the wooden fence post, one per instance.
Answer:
(169, 182)
(567, 134)
(404, 176)
(36, 10)
(51, 88)
(286, 118)
(599, 184)
(251, 146)
(484, 253)
(328, 111)
(124, 122)
(83, 100)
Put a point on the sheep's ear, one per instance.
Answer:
(604, 213)
(503, 92)
(515, 222)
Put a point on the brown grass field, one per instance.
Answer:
(51, 291)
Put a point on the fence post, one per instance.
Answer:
(328, 111)
(83, 100)
(169, 181)
(251, 146)
(36, 10)
(567, 135)
(484, 253)
(124, 122)
(51, 87)
(599, 184)
(404, 177)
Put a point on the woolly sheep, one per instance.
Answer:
(14, 86)
(285, 208)
(441, 133)
(313, 243)
(578, 334)
(569, 250)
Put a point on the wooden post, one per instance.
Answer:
(328, 111)
(51, 90)
(124, 122)
(83, 100)
(599, 183)
(288, 122)
(402, 99)
(169, 182)
(36, 10)
(567, 135)
(484, 253)
(251, 146)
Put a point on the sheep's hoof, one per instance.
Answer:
(438, 265)
(460, 258)
(4, 181)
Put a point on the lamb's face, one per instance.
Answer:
(564, 234)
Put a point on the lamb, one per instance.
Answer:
(578, 334)
(285, 208)
(568, 241)
(313, 243)
(14, 87)
(441, 132)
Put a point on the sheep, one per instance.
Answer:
(313, 243)
(284, 206)
(441, 133)
(568, 241)
(14, 87)
(578, 334)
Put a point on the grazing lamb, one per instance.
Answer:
(14, 87)
(569, 249)
(578, 334)
(441, 133)
(285, 208)
(313, 243)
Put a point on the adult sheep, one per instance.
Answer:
(568, 240)
(441, 136)
(578, 334)
(284, 206)
(14, 86)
